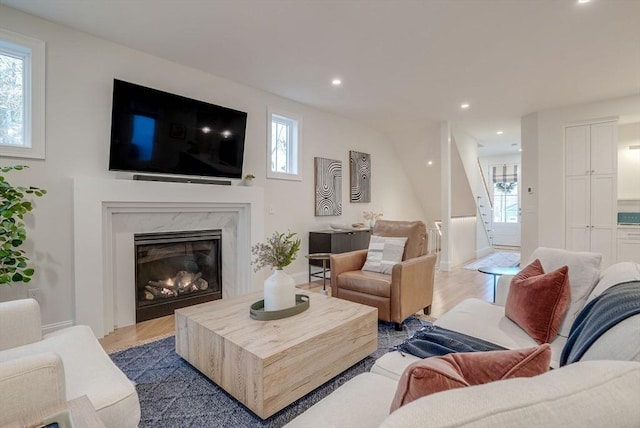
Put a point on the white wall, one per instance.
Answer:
(80, 71)
(463, 179)
(629, 162)
(546, 173)
(530, 190)
(415, 151)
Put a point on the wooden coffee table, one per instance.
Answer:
(267, 365)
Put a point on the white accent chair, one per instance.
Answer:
(38, 371)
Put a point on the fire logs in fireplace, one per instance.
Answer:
(176, 269)
(183, 283)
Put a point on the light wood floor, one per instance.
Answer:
(450, 288)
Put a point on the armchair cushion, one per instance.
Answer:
(384, 252)
(20, 322)
(414, 231)
(378, 284)
(30, 383)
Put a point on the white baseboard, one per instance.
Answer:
(50, 328)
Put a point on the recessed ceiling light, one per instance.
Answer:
(336, 82)
(500, 132)
(430, 163)
(519, 150)
(464, 106)
(583, 1)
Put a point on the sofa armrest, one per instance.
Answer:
(502, 289)
(412, 285)
(30, 383)
(345, 262)
(21, 324)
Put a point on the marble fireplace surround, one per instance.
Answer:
(107, 214)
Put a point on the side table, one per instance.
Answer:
(496, 271)
(324, 257)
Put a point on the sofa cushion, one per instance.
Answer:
(584, 271)
(615, 274)
(538, 301)
(486, 321)
(361, 402)
(590, 393)
(88, 371)
(384, 253)
(458, 370)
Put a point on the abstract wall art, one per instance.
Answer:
(328, 177)
(360, 176)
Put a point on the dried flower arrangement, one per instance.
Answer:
(371, 216)
(279, 251)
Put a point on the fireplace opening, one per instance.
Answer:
(176, 269)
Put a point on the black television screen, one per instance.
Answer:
(157, 132)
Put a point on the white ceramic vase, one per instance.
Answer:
(279, 291)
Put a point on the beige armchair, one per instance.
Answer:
(38, 371)
(406, 291)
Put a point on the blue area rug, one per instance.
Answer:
(173, 394)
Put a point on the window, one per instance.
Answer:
(21, 96)
(283, 149)
(505, 194)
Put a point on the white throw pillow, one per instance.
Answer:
(584, 272)
(384, 252)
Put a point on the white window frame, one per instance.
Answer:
(32, 51)
(296, 141)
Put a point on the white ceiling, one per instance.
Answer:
(404, 63)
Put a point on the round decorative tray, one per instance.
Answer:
(257, 311)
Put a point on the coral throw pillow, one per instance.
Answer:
(538, 301)
(458, 370)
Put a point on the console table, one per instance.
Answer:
(338, 241)
(335, 241)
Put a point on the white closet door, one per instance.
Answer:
(577, 150)
(604, 146)
(603, 216)
(577, 215)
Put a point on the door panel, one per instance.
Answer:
(604, 148)
(577, 150)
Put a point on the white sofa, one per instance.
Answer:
(602, 389)
(37, 371)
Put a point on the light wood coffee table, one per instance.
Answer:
(267, 365)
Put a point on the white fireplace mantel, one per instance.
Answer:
(100, 204)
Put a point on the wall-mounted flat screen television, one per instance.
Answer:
(157, 132)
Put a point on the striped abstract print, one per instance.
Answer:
(328, 186)
(360, 176)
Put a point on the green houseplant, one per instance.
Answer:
(13, 206)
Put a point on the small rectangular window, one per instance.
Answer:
(283, 148)
(21, 96)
